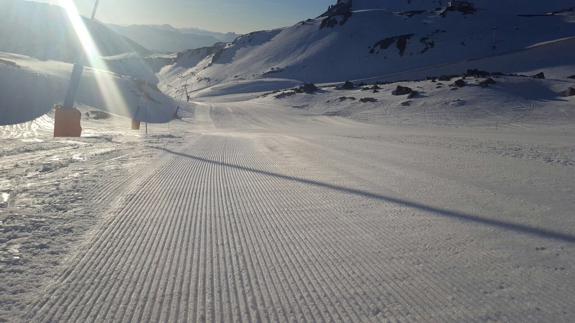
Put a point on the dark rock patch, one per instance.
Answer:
(308, 88)
(366, 100)
(477, 73)
(348, 85)
(399, 41)
(459, 83)
(569, 92)
(487, 82)
(540, 76)
(337, 14)
(402, 90)
(464, 7)
(375, 88)
(284, 95)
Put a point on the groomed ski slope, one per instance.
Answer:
(268, 214)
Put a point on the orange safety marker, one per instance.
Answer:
(67, 122)
(135, 124)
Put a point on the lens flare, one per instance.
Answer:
(109, 90)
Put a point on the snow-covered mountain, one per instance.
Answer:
(166, 38)
(43, 31)
(357, 39)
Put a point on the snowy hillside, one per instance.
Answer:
(29, 88)
(358, 39)
(43, 31)
(166, 38)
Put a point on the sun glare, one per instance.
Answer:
(109, 90)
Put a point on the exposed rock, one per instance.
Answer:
(477, 73)
(569, 92)
(402, 90)
(308, 88)
(337, 14)
(399, 41)
(348, 85)
(459, 83)
(464, 7)
(539, 76)
(571, 77)
(375, 88)
(414, 94)
(345, 98)
(406, 103)
(487, 82)
(366, 100)
(285, 94)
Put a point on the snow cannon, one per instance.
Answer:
(67, 122)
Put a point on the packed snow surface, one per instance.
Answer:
(436, 186)
(457, 207)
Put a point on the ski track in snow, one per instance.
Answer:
(247, 221)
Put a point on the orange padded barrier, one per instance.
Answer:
(67, 122)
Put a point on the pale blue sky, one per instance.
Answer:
(217, 15)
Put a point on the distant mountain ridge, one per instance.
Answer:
(43, 31)
(166, 38)
(357, 39)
